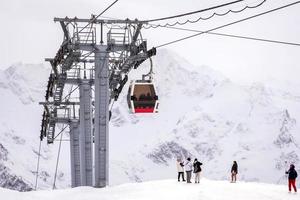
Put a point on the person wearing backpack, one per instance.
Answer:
(197, 170)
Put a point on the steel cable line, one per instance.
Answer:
(38, 166)
(62, 130)
(232, 36)
(91, 23)
(94, 18)
(227, 35)
(57, 162)
(229, 24)
(203, 18)
(194, 12)
(237, 36)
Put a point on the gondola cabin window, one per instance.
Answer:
(143, 98)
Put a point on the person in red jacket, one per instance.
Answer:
(292, 177)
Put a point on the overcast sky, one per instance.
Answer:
(28, 34)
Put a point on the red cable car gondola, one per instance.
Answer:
(142, 96)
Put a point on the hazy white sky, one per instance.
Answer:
(28, 34)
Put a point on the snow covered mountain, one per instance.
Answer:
(202, 114)
(22, 86)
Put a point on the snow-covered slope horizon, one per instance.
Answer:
(202, 114)
(163, 189)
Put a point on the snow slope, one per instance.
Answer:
(163, 189)
(202, 114)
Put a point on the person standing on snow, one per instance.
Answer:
(180, 169)
(292, 177)
(234, 171)
(188, 169)
(197, 170)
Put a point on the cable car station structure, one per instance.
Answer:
(91, 64)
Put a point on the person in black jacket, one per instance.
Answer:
(197, 170)
(292, 177)
(234, 171)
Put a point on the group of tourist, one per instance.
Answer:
(187, 167)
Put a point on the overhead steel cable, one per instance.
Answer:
(95, 18)
(203, 18)
(38, 166)
(57, 162)
(194, 12)
(232, 35)
(238, 36)
(229, 24)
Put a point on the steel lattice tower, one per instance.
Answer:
(88, 73)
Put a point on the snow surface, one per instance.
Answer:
(202, 114)
(163, 189)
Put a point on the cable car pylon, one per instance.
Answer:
(88, 73)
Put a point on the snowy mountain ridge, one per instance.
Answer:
(202, 114)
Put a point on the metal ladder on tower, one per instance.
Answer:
(51, 128)
(58, 92)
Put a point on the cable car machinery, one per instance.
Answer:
(87, 76)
